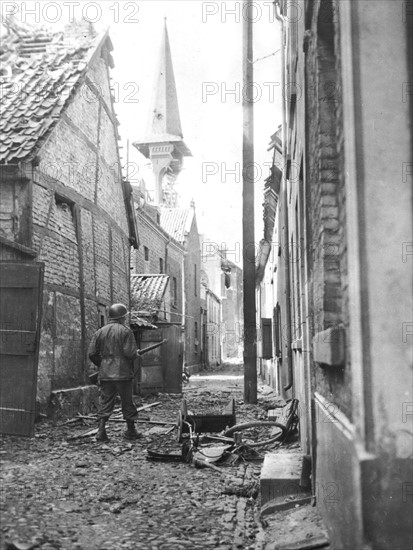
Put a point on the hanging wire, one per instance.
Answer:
(265, 57)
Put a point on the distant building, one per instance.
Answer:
(269, 333)
(224, 285)
(232, 311)
(181, 224)
(212, 333)
(159, 252)
(63, 199)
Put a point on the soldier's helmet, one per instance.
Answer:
(117, 311)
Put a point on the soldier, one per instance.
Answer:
(113, 349)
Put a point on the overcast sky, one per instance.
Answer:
(206, 44)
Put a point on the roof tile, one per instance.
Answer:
(177, 222)
(147, 292)
(42, 80)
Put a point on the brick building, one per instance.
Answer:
(64, 202)
(223, 280)
(232, 311)
(212, 339)
(268, 278)
(342, 310)
(159, 252)
(180, 223)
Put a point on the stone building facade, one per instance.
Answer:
(232, 311)
(223, 279)
(213, 335)
(343, 273)
(159, 253)
(64, 201)
(180, 223)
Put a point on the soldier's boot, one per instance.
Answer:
(131, 432)
(102, 435)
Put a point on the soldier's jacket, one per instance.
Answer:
(117, 348)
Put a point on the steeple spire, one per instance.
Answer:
(164, 119)
(163, 142)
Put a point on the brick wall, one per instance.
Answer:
(213, 327)
(80, 231)
(160, 246)
(326, 174)
(193, 298)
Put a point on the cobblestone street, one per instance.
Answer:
(58, 493)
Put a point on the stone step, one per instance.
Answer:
(281, 475)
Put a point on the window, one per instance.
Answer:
(102, 315)
(196, 337)
(195, 280)
(174, 292)
(146, 253)
(63, 219)
(277, 330)
(160, 265)
(266, 331)
(64, 205)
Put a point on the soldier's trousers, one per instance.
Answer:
(108, 391)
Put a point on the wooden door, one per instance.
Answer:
(21, 290)
(161, 368)
(173, 355)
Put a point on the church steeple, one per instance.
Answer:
(163, 143)
(164, 119)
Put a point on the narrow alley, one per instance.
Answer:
(64, 493)
(206, 259)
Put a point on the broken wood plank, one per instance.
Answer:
(84, 434)
(148, 406)
(159, 422)
(111, 419)
(170, 429)
(218, 438)
(199, 463)
(304, 544)
(73, 420)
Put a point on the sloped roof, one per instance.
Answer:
(177, 222)
(147, 292)
(40, 70)
(140, 322)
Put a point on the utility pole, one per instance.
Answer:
(248, 233)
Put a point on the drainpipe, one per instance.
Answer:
(284, 204)
(184, 321)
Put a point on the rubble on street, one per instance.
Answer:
(59, 491)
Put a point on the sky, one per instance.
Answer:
(206, 45)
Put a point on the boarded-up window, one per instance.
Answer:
(266, 331)
(196, 337)
(174, 292)
(277, 330)
(102, 315)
